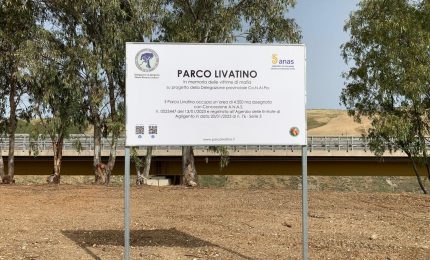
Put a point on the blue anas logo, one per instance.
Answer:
(147, 60)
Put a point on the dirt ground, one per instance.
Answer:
(86, 222)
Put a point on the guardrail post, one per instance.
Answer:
(325, 143)
(312, 143)
(347, 144)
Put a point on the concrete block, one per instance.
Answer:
(152, 182)
(157, 181)
(163, 182)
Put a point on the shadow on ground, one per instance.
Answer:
(157, 237)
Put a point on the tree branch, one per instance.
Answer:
(190, 8)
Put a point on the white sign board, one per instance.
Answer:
(211, 94)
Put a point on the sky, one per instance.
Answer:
(322, 24)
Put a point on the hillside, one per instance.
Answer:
(334, 122)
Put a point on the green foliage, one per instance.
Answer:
(77, 144)
(390, 75)
(54, 82)
(222, 21)
(224, 155)
(18, 19)
(100, 30)
(24, 127)
(135, 158)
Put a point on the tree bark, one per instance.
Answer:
(1, 166)
(189, 172)
(426, 161)
(148, 159)
(423, 142)
(115, 130)
(417, 173)
(9, 178)
(141, 176)
(112, 157)
(58, 157)
(1, 161)
(97, 152)
(140, 179)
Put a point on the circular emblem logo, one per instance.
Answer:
(294, 131)
(147, 60)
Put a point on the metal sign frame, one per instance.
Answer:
(304, 195)
(304, 203)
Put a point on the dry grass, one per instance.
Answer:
(334, 122)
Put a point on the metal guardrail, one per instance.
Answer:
(86, 142)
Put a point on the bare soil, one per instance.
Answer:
(86, 222)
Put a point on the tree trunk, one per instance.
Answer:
(115, 129)
(423, 143)
(1, 166)
(58, 157)
(189, 172)
(112, 157)
(1, 161)
(141, 176)
(417, 173)
(99, 176)
(140, 179)
(426, 162)
(9, 178)
(148, 159)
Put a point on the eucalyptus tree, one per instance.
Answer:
(220, 21)
(71, 18)
(118, 23)
(389, 80)
(18, 20)
(53, 73)
(104, 27)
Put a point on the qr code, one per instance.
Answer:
(140, 129)
(152, 129)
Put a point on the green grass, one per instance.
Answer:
(215, 181)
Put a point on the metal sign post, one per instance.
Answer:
(127, 205)
(305, 200)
